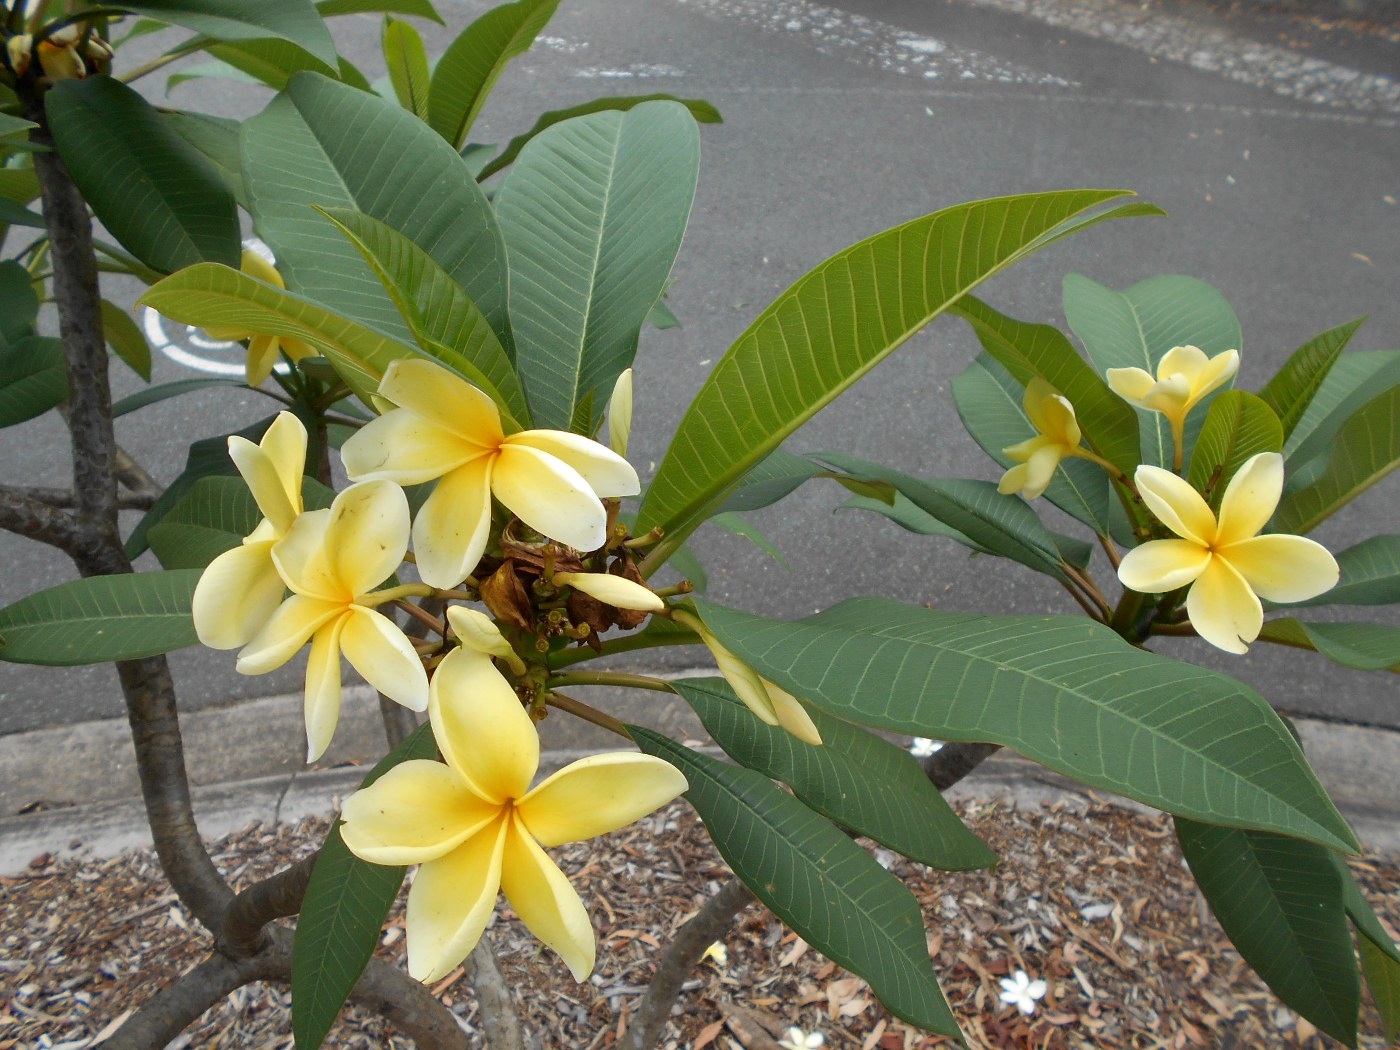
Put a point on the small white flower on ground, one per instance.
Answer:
(1022, 992)
(717, 953)
(923, 747)
(796, 1039)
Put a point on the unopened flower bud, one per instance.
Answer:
(18, 48)
(475, 630)
(620, 414)
(612, 590)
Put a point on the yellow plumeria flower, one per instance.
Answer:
(1185, 375)
(446, 428)
(620, 413)
(477, 827)
(1224, 560)
(770, 702)
(241, 588)
(330, 559)
(1037, 458)
(262, 349)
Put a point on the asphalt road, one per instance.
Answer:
(1273, 139)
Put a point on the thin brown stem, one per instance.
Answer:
(1114, 558)
(616, 678)
(427, 619)
(1091, 590)
(627, 644)
(587, 713)
(1084, 603)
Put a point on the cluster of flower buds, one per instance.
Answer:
(68, 53)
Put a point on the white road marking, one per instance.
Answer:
(1213, 50)
(870, 42)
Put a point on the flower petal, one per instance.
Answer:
(295, 620)
(792, 716)
(1014, 480)
(545, 902)
(322, 706)
(405, 448)
(384, 656)
(1040, 469)
(262, 355)
(444, 398)
(261, 474)
(235, 595)
(451, 902)
(1250, 498)
(606, 472)
(475, 630)
(1131, 384)
(1176, 504)
(1170, 396)
(301, 558)
(1218, 371)
(1060, 425)
(1188, 361)
(612, 590)
(285, 446)
(452, 526)
(598, 794)
(416, 812)
(367, 535)
(1223, 610)
(549, 496)
(1283, 568)
(481, 727)
(1159, 566)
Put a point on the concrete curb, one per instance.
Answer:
(80, 783)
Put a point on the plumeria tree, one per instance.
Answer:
(462, 353)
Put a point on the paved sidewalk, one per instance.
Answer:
(72, 790)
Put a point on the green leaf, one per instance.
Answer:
(1383, 978)
(33, 378)
(474, 61)
(341, 916)
(772, 479)
(20, 185)
(216, 139)
(100, 619)
(211, 295)
(1002, 525)
(701, 110)
(407, 60)
(740, 527)
(660, 316)
(214, 69)
(1280, 902)
(444, 321)
(324, 143)
(157, 194)
(417, 8)
(1135, 327)
(989, 401)
(1028, 351)
(271, 61)
(593, 213)
(124, 336)
(153, 394)
(212, 517)
(1063, 691)
(1237, 426)
(1363, 646)
(293, 20)
(1370, 575)
(910, 517)
(19, 305)
(1353, 381)
(1292, 389)
(16, 128)
(1365, 449)
(855, 778)
(1380, 957)
(833, 326)
(12, 214)
(816, 879)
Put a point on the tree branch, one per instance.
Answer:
(684, 953)
(952, 762)
(63, 499)
(279, 897)
(500, 1019)
(22, 513)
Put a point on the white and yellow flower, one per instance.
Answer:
(477, 827)
(1185, 376)
(1057, 437)
(770, 702)
(1227, 564)
(241, 587)
(263, 350)
(331, 559)
(446, 428)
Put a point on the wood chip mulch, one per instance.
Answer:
(1093, 898)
